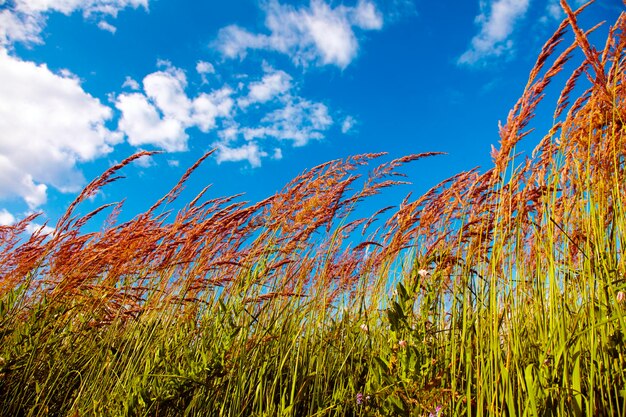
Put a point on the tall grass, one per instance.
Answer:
(495, 293)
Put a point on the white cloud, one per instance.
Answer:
(366, 16)
(273, 84)
(17, 181)
(299, 121)
(24, 20)
(203, 67)
(249, 152)
(38, 227)
(281, 117)
(163, 111)
(315, 34)
(493, 40)
(145, 161)
(348, 124)
(131, 83)
(233, 41)
(6, 218)
(555, 11)
(48, 124)
(207, 108)
(88, 7)
(143, 125)
(332, 35)
(104, 25)
(161, 114)
(278, 154)
(19, 28)
(229, 132)
(166, 89)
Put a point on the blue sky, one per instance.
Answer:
(274, 86)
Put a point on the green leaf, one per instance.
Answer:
(577, 386)
(396, 404)
(402, 293)
(382, 364)
(532, 391)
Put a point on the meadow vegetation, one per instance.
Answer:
(495, 293)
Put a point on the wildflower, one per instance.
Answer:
(621, 297)
(423, 273)
(365, 328)
(359, 399)
(438, 412)
(402, 343)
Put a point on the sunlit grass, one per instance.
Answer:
(495, 293)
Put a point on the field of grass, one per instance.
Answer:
(495, 293)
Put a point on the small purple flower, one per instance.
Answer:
(438, 412)
(359, 399)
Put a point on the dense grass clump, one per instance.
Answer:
(495, 293)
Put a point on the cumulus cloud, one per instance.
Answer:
(48, 124)
(366, 16)
(17, 27)
(279, 117)
(249, 152)
(6, 218)
(273, 84)
(17, 181)
(248, 121)
(143, 125)
(496, 28)
(203, 67)
(299, 121)
(315, 34)
(24, 20)
(160, 115)
(166, 89)
(35, 227)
